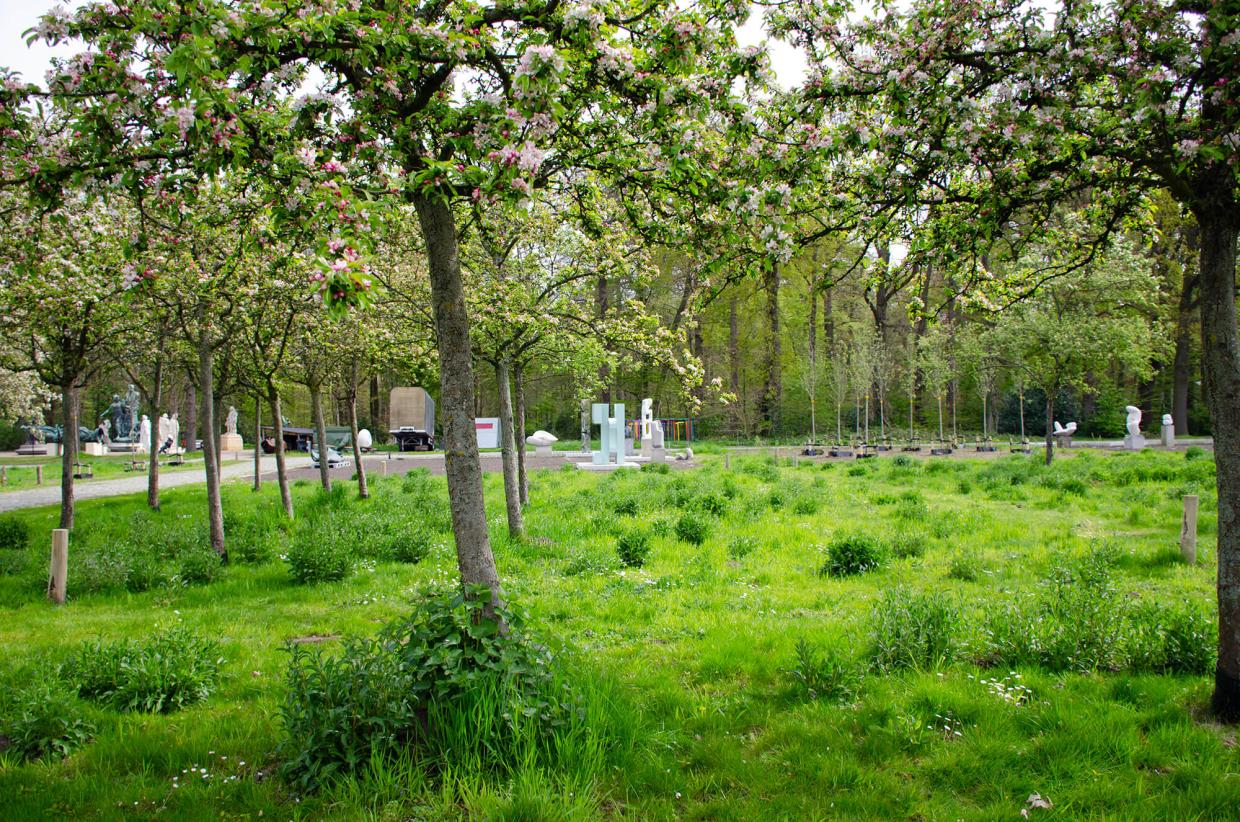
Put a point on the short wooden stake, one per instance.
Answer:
(38, 475)
(1188, 530)
(58, 576)
(4, 475)
(727, 461)
(384, 464)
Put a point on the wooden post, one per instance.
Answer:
(38, 475)
(58, 575)
(727, 461)
(4, 475)
(1188, 530)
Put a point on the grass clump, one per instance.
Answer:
(913, 630)
(445, 683)
(966, 566)
(826, 673)
(200, 567)
(692, 528)
(741, 547)
(852, 554)
(165, 673)
(633, 547)
(14, 534)
(907, 544)
(42, 720)
(1171, 639)
(322, 551)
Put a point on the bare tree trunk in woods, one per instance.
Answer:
(734, 363)
(69, 399)
(277, 428)
(1182, 369)
(508, 451)
(376, 405)
(363, 490)
(320, 434)
(461, 461)
(600, 311)
(1050, 426)
(828, 319)
(772, 391)
(191, 424)
(210, 445)
(1220, 354)
(217, 413)
(156, 399)
(523, 477)
(258, 442)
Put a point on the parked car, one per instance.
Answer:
(334, 460)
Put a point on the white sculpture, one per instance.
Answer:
(230, 422)
(612, 431)
(647, 429)
(542, 442)
(144, 435)
(174, 434)
(165, 433)
(364, 440)
(1168, 431)
(1067, 430)
(1134, 441)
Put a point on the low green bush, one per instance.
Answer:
(852, 554)
(805, 505)
(633, 547)
(625, 506)
(907, 544)
(741, 547)
(14, 534)
(656, 468)
(716, 505)
(42, 720)
(321, 551)
(1194, 452)
(913, 630)
(692, 528)
(966, 566)
(1171, 639)
(200, 567)
(826, 673)
(445, 683)
(165, 673)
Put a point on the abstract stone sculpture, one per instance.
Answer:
(1134, 441)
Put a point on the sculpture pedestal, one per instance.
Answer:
(32, 449)
(1168, 435)
(606, 466)
(1063, 440)
(94, 449)
(1134, 442)
(231, 442)
(543, 451)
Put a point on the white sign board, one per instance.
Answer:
(487, 429)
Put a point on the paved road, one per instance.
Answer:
(94, 489)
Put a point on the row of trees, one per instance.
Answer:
(1006, 149)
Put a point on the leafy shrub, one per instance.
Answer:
(764, 469)
(715, 505)
(776, 499)
(911, 505)
(14, 533)
(625, 506)
(586, 562)
(852, 554)
(901, 461)
(445, 681)
(255, 538)
(824, 674)
(43, 720)
(410, 544)
(805, 505)
(1167, 639)
(906, 544)
(857, 471)
(320, 554)
(692, 528)
(741, 547)
(913, 630)
(656, 468)
(1194, 452)
(165, 673)
(966, 566)
(144, 571)
(661, 527)
(633, 547)
(964, 487)
(106, 569)
(200, 567)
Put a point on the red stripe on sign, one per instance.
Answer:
(484, 426)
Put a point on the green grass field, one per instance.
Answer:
(1000, 641)
(21, 473)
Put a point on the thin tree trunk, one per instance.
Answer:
(734, 362)
(156, 399)
(518, 380)
(68, 448)
(461, 461)
(191, 425)
(376, 404)
(320, 434)
(1182, 364)
(363, 490)
(1050, 426)
(277, 427)
(210, 445)
(258, 442)
(1220, 347)
(772, 391)
(508, 450)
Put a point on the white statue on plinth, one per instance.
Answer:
(1134, 441)
(165, 433)
(174, 432)
(542, 442)
(230, 422)
(144, 435)
(647, 428)
(1168, 431)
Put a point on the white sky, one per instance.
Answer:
(33, 61)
